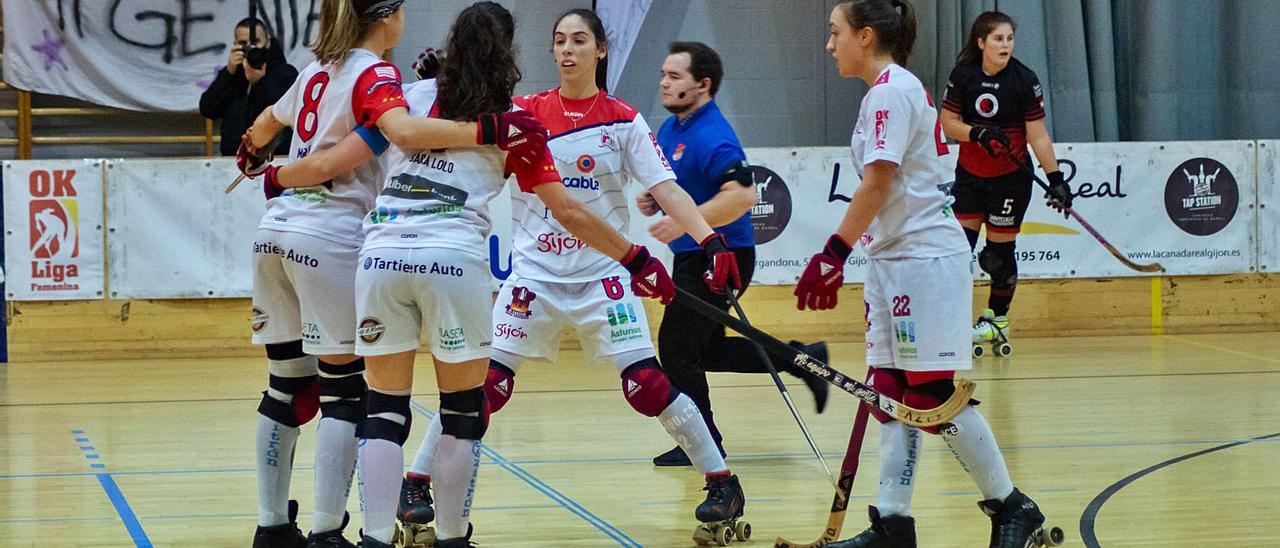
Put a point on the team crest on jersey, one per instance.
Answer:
(987, 105)
(678, 153)
(520, 299)
(586, 164)
(370, 330)
(608, 140)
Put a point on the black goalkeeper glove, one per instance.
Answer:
(991, 139)
(1059, 193)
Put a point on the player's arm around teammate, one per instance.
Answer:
(917, 291)
(994, 107)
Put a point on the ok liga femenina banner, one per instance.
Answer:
(53, 232)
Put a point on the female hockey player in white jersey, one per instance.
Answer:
(305, 259)
(919, 288)
(422, 263)
(598, 142)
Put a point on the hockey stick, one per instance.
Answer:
(271, 146)
(1153, 267)
(903, 413)
(234, 184)
(839, 503)
(786, 396)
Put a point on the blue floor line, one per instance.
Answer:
(550, 492)
(118, 501)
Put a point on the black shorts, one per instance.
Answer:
(1001, 202)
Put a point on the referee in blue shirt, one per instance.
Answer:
(710, 165)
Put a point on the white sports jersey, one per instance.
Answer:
(325, 104)
(598, 144)
(435, 198)
(897, 123)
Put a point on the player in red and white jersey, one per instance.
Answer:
(306, 251)
(422, 266)
(918, 290)
(598, 142)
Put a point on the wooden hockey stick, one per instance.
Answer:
(1153, 267)
(234, 184)
(844, 487)
(786, 396)
(903, 413)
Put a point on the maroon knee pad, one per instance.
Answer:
(498, 386)
(929, 389)
(646, 388)
(890, 383)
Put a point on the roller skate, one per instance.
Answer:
(331, 539)
(885, 532)
(285, 535)
(720, 513)
(1018, 523)
(415, 513)
(993, 330)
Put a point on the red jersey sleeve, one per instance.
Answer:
(377, 91)
(529, 176)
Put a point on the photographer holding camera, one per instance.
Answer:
(256, 75)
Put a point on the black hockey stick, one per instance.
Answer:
(903, 413)
(786, 396)
(844, 487)
(1152, 267)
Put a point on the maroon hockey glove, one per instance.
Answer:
(722, 269)
(992, 140)
(648, 277)
(271, 183)
(251, 160)
(516, 132)
(822, 278)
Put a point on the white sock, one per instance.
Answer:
(975, 447)
(899, 452)
(335, 462)
(425, 460)
(275, 443)
(380, 464)
(684, 423)
(457, 461)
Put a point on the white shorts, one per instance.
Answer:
(530, 315)
(401, 291)
(918, 313)
(304, 288)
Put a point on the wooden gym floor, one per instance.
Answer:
(1132, 441)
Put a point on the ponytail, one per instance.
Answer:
(893, 20)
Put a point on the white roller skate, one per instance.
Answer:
(993, 330)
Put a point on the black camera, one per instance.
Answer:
(255, 56)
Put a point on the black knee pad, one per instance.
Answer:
(997, 259)
(285, 351)
(342, 391)
(301, 410)
(380, 424)
(463, 415)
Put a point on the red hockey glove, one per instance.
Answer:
(991, 139)
(249, 159)
(516, 132)
(271, 183)
(722, 269)
(648, 277)
(823, 277)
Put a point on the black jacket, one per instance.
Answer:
(231, 99)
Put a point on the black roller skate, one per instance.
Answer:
(415, 512)
(285, 535)
(1018, 523)
(885, 532)
(720, 513)
(331, 539)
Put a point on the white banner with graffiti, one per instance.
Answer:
(53, 230)
(157, 55)
(1187, 206)
(1268, 206)
(173, 233)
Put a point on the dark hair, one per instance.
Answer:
(982, 26)
(479, 72)
(704, 62)
(893, 20)
(250, 22)
(597, 29)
